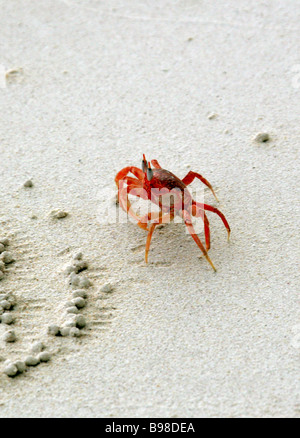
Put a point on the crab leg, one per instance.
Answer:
(188, 222)
(155, 164)
(201, 213)
(134, 186)
(214, 210)
(124, 172)
(189, 178)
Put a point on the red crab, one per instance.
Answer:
(153, 184)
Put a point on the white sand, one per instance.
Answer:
(95, 86)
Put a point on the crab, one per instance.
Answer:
(155, 183)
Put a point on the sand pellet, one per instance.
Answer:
(14, 75)
(77, 281)
(212, 116)
(65, 331)
(80, 265)
(38, 347)
(69, 269)
(75, 332)
(7, 301)
(79, 293)
(84, 282)
(72, 309)
(59, 214)
(7, 257)
(11, 370)
(2, 266)
(4, 241)
(74, 279)
(80, 321)
(21, 366)
(79, 302)
(44, 356)
(76, 267)
(5, 304)
(53, 330)
(31, 361)
(78, 256)
(70, 323)
(7, 318)
(107, 288)
(2, 248)
(11, 299)
(262, 137)
(28, 184)
(9, 336)
(1, 274)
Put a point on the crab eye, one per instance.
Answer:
(144, 165)
(149, 174)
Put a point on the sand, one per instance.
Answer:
(86, 89)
